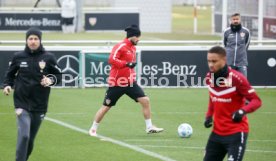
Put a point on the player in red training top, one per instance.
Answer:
(228, 90)
(122, 80)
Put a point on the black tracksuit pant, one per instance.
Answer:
(28, 124)
(218, 146)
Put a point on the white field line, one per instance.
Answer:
(133, 147)
(202, 148)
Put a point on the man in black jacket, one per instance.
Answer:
(31, 73)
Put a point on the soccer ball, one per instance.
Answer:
(185, 130)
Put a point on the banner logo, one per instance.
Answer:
(92, 21)
(66, 64)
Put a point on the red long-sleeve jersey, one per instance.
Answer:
(121, 54)
(226, 99)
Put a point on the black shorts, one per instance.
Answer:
(113, 94)
(218, 146)
(67, 21)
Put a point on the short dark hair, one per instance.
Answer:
(236, 14)
(218, 50)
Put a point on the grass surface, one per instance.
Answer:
(170, 107)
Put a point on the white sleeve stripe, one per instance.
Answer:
(248, 41)
(223, 35)
(249, 36)
(57, 68)
(246, 29)
(116, 51)
(251, 90)
(223, 39)
(228, 28)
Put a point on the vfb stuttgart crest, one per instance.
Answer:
(42, 65)
(107, 101)
(242, 34)
(92, 21)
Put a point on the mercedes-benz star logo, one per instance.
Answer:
(67, 63)
(271, 62)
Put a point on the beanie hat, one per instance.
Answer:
(34, 31)
(133, 30)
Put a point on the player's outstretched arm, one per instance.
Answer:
(249, 93)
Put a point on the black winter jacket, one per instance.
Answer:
(25, 73)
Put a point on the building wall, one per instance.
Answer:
(155, 15)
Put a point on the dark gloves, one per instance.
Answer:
(131, 64)
(208, 122)
(237, 116)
